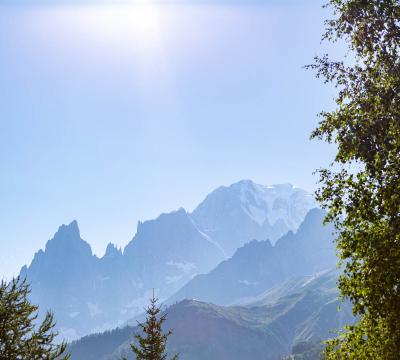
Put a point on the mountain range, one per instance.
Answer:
(91, 294)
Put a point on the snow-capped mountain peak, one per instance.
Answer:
(235, 214)
(270, 203)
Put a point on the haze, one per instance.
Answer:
(114, 114)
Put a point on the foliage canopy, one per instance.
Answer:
(20, 337)
(361, 188)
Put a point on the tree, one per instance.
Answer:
(20, 337)
(152, 345)
(361, 188)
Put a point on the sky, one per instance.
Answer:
(111, 114)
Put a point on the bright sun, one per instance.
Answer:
(145, 16)
(139, 21)
(137, 33)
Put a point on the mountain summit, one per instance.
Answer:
(168, 251)
(233, 215)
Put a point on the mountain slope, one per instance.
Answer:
(169, 251)
(203, 331)
(258, 266)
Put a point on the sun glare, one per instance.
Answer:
(138, 22)
(145, 16)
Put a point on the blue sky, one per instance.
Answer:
(114, 114)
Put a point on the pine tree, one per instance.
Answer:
(20, 337)
(361, 190)
(152, 343)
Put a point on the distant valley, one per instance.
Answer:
(266, 328)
